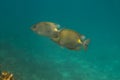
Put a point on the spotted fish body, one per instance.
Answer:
(45, 28)
(69, 39)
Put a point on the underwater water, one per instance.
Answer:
(32, 57)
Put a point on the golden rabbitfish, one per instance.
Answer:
(70, 39)
(45, 28)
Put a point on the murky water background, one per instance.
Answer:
(32, 57)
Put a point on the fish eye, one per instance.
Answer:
(34, 26)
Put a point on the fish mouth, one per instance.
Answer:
(33, 28)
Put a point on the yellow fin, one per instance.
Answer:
(79, 41)
(55, 29)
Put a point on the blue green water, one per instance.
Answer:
(32, 57)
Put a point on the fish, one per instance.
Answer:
(71, 39)
(47, 29)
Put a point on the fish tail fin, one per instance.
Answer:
(86, 43)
